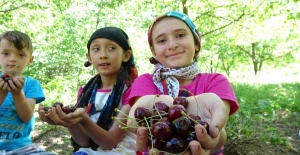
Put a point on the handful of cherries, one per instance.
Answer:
(6, 77)
(171, 128)
(65, 109)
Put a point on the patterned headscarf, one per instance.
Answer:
(180, 16)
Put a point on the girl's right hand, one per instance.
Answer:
(43, 115)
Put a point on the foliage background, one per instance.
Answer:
(255, 43)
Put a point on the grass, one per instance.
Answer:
(261, 106)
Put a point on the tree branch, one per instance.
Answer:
(15, 8)
(219, 28)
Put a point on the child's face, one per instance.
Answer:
(107, 57)
(173, 43)
(12, 60)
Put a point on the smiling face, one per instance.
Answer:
(173, 45)
(12, 60)
(107, 56)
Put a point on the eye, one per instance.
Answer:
(160, 41)
(95, 49)
(180, 35)
(111, 48)
(22, 55)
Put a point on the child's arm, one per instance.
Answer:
(106, 139)
(24, 106)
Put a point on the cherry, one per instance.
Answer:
(165, 120)
(157, 115)
(159, 144)
(191, 136)
(175, 145)
(175, 111)
(205, 124)
(181, 100)
(58, 104)
(181, 126)
(68, 109)
(6, 77)
(65, 109)
(194, 118)
(161, 106)
(161, 131)
(141, 113)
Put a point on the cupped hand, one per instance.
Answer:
(142, 144)
(60, 118)
(213, 110)
(44, 115)
(16, 84)
(3, 86)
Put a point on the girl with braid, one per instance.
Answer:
(91, 125)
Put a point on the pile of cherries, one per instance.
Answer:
(65, 109)
(6, 77)
(171, 128)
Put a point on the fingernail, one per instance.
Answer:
(141, 132)
(194, 148)
(199, 131)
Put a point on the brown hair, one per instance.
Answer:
(19, 39)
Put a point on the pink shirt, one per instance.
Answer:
(203, 83)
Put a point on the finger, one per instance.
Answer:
(196, 148)
(142, 139)
(218, 120)
(206, 141)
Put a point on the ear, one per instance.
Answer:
(30, 60)
(87, 55)
(152, 51)
(126, 56)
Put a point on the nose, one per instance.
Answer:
(102, 54)
(12, 57)
(172, 44)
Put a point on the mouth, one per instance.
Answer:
(174, 54)
(104, 64)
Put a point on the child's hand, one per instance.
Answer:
(142, 143)
(61, 118)
(16, 84)
(3, 86)
(43, 115)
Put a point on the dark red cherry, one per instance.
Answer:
(68, 109)
(161, 131)
(181, 100)
(161, 106)
(205, 124)
(6, 77)
(157, 115)
(191, 136)
(58, 104)
(158, 144)
(181, 126)
(194, 118)
(141, 114)
(175, 145)
(175, 111)
(165, 120)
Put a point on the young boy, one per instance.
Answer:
(18, 95)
